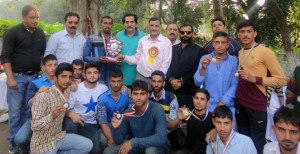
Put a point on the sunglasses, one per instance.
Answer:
(185, 32)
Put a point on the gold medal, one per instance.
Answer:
(236, 74)
(298, 98)
(153, 52)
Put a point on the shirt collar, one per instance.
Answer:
(162, 97)
(136, 33)
(24, 28)
(65, 33)
(44, 78)
(213, 54)
(159, 38)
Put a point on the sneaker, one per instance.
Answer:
(4, 117)
(13, 148)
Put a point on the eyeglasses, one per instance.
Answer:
(185, 32)
(72, 22)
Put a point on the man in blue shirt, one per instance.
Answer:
(114, 100)
(228, 141)
(217, 72)
(49, 64)
(95, 49)
(145, 120)
(130, 37)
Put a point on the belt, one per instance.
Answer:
(27, 72)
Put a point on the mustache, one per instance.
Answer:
(172, 33)
(73, 27)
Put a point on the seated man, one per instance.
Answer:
(145, 120)
(48, 111)
(170, 105)
(83, 105)
(287, 130)
(228, 141)
(49, 64)
(199, 118)
(114, 100)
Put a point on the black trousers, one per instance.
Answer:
(252, 123)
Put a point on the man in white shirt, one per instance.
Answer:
(154, 52)
(172, 33)
(67, 44)
(287, 130)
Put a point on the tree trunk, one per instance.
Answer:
(217, 9)
(88, 11)
(284, 31)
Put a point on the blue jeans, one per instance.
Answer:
(90, 131)
(114, 149)
(72, 144)
(18, 108)
(22, 138)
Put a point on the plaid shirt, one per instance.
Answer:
(45, 129)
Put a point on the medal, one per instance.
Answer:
(214, 60)
(298, 98)
(118, 116)
(236, 74)
(185, 112)
(66, 105)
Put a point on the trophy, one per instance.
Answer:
(114, 47)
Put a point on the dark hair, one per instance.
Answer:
(220, 33)
(78, 62)
(116, 72)
(63, 67)
(171, 23)
(222, 112)
(154, 19)
(91, 65)
(218, 19)
(71, 14)
(139, 85)
(204, 91)
(27, 8)
(159, 73)
(187, 25)
(107, 17)
(48, 58)
(289, 116)
(246, 23)
(129, 15)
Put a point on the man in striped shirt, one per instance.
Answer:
(48, 111)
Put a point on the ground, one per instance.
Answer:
(3, 134)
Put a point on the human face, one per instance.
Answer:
(50, 67)
(220, 45)
(106, 25)
(154, 28)
(172, 32)
(116, 83)
(218, 26)
(92, 75)
(186, 34)
(200, 102)
(223, 127)
(157, 83)
(130, 24)
(247, 36)
(31, 19)
(287, 135)
(71, 25)
(139, 97)
(64, 80)
(78, 69)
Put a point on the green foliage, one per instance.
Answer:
(5, 24)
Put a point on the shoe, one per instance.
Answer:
(13, 148)
(4, 117)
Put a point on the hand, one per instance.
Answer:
(175, 83)
(74, 86)
(124, 88)
(246, 76)
(110, 142)
(120, 56)
(205, 62)
(125, 148)
(12, 84)
(43, 89)
(102, 59)
(76, 118)
(180, 113)
(221, 103)
(57, 110)
(116, 122)
(212, 135)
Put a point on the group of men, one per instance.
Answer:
(78, 108)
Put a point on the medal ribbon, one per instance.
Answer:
(132, 114)
(61, 94)
(241, 65)
(195, 116)
(226, 143)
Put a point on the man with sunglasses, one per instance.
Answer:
(179, 79)
(67, 44)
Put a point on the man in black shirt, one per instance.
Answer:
(22, 50)
(185, 58)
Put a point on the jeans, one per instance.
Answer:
(114, 149)
(90, 131)
(72, 144)
(18, 108)
(22, 138)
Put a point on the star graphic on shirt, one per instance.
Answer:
(90, 105)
